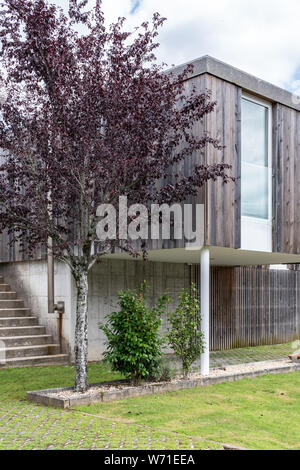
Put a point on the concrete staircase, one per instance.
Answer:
(22, 341)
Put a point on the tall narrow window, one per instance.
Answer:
(255, 158)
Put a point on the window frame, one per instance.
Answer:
(259, 101)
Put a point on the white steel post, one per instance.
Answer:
(204, 304)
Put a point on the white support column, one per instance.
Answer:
(204, 304)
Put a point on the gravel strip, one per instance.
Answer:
(221, 372)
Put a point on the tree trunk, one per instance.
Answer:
(81, 332)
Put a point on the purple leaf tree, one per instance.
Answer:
(86, 116)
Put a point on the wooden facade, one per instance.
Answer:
(223, 201)
(252, 306)
(286, 179)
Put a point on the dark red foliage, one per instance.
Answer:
(88, 117)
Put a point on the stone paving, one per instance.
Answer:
(27, 426)
(32, 427)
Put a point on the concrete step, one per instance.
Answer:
(18, 321)
(29, 351)
(22, 331)
(14, 312)
(8, 295)
(11, 303)
(4, 287)
(30, 340)
(34, 361)
(22, 341)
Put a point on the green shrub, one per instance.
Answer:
(133, 341)
(184, 334)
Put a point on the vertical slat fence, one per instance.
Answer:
(252, 306)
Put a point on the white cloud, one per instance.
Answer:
(261, 37)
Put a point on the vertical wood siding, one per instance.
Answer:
(252, 306)
(14, 252)
(186, 167)
(286, 179)
(223, 201)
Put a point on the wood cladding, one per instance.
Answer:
(223, 201)
(286, 180)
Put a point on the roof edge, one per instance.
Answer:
(246, 81)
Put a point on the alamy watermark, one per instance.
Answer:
(154, 222)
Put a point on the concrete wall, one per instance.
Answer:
(29, 279)
(110, 276)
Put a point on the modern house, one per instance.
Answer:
(249, 224)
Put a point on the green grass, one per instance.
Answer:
(16, 382)
(260, 413)
(24, 425)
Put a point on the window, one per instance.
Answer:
(255, 173)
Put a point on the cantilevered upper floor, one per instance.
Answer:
(258, 215)
(259, 125)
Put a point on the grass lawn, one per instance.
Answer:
(260, 413)
(24, 425)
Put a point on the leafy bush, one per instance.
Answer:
(184, 334)
(133, 342)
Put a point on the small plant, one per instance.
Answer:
(165, 373)
(184, 334)
(134, 346)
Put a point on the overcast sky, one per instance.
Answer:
(261, 37)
